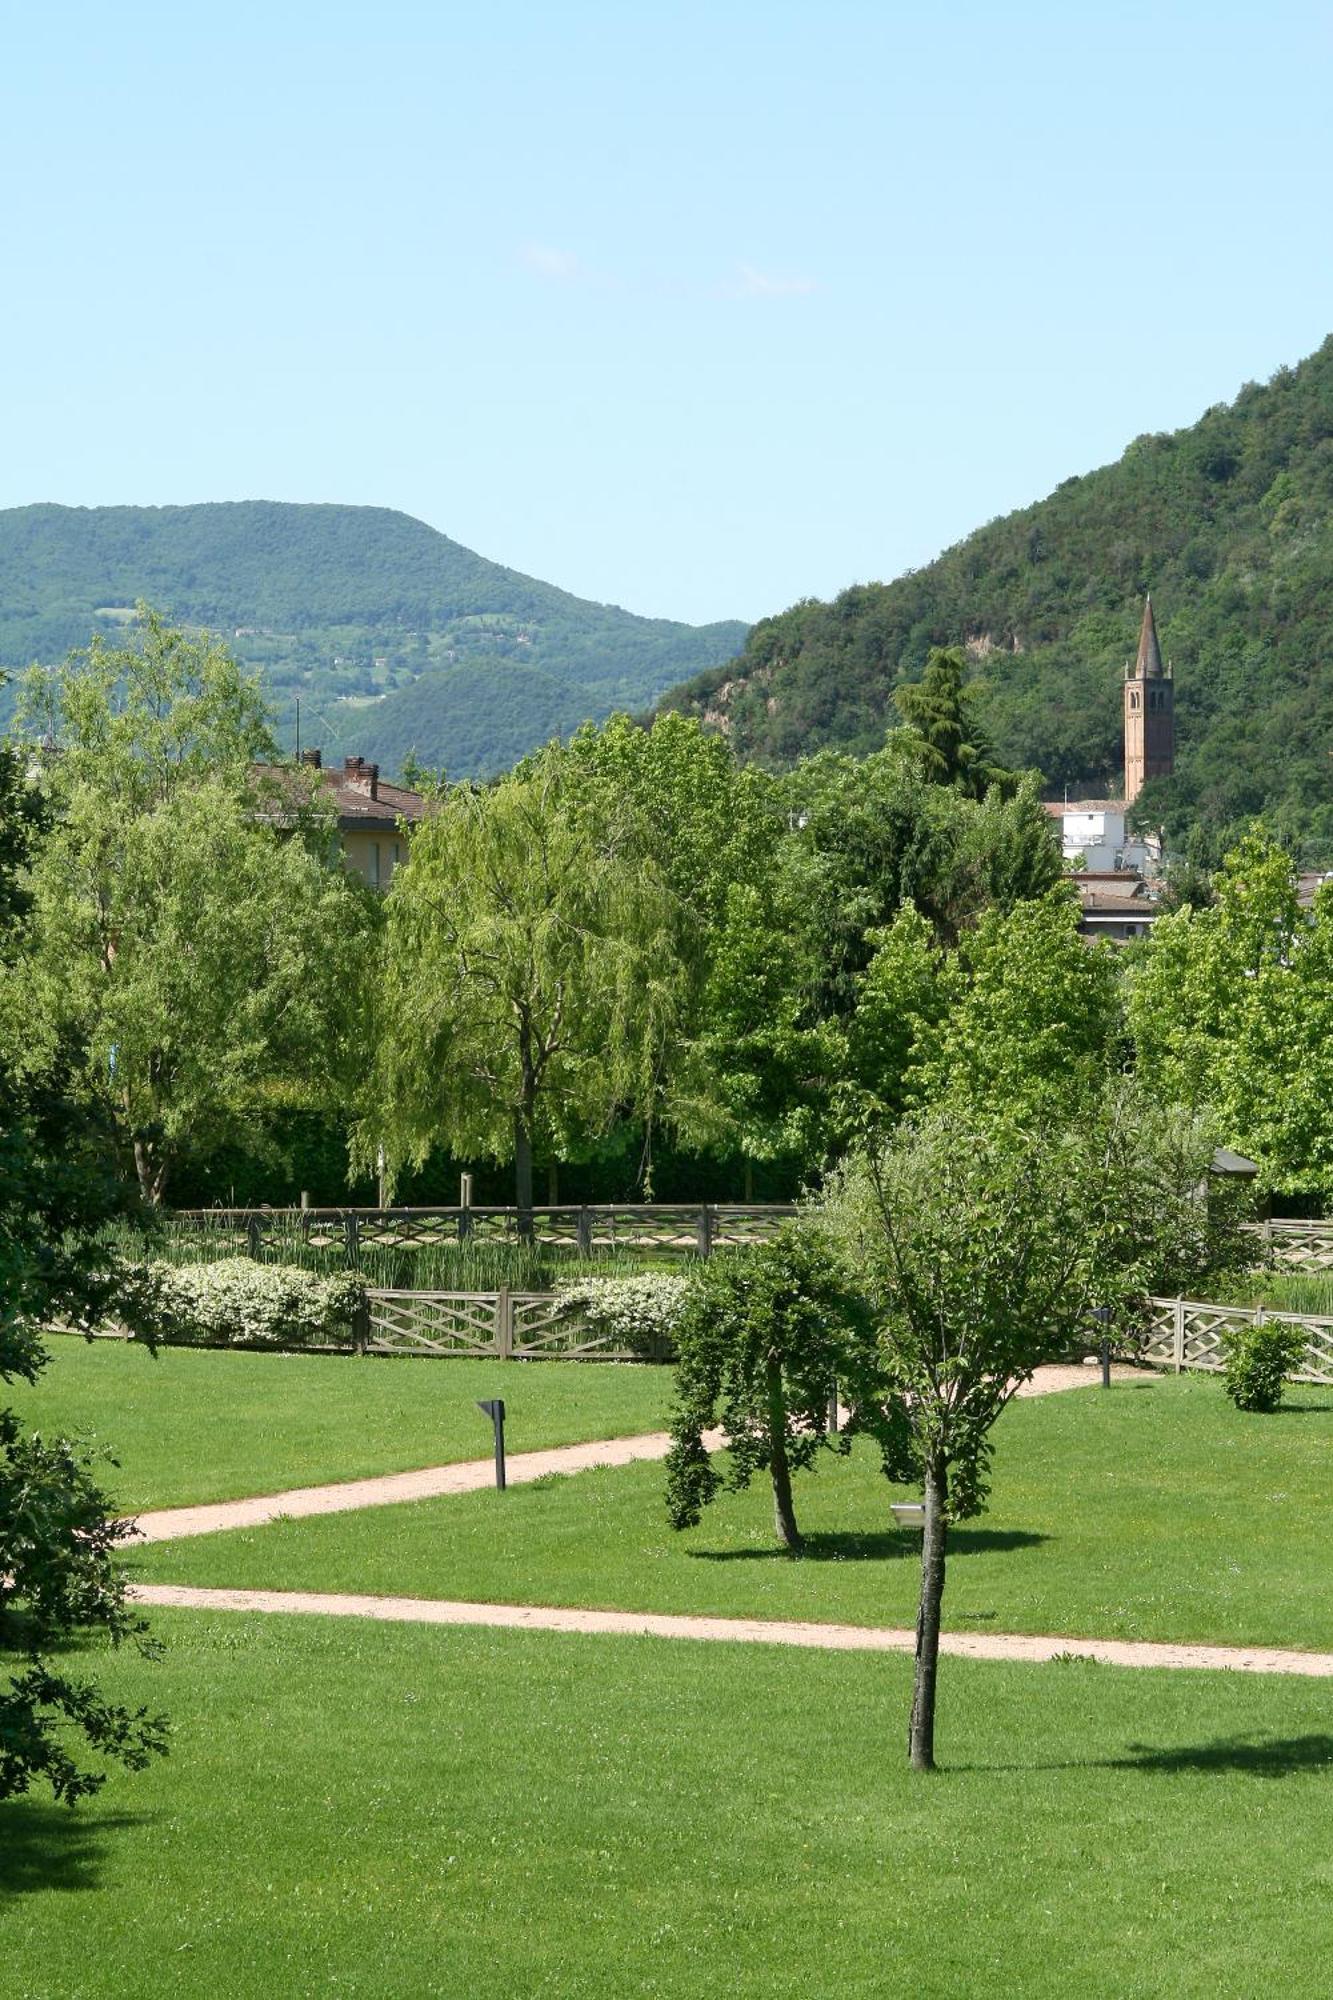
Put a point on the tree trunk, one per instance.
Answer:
(151, 1173)
(523, 1176)
(784, 1516)
(921, 1731)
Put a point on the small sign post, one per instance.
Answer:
(496, 1412)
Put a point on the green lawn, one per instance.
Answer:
(1150, 1511)
(195, 1425)
(396, 1812)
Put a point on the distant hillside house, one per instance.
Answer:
(369, 811)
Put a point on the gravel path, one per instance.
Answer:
(752, 1631)
(169, 1524)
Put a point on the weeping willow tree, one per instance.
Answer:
(535, 975)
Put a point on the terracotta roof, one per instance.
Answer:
(360, 798)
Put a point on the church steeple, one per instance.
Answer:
(1149, 661)
(1150, 716)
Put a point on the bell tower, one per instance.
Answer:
(1150, 713)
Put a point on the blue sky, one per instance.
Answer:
(696, 309)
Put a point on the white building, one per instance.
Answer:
(1092, 835)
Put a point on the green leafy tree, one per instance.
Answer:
(982, 1247)
(136, 723)
(751, 1064)
(764, 1336)
(1231, 1007)
(1011, 851)
(1038, 1023)
(864, 838)
(59, 1582)
(1022, 1020)
(894, 1038)
(208, 964)
(192, 934)
(867, 836)
(977, 1264)
(534, 973)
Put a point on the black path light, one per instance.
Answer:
(1102, 1315)
(496, 1412)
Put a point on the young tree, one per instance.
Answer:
(982, 1247)
(766, 1334)
(533, 977)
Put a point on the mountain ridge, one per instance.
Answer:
(1228, 521)
(395, 638)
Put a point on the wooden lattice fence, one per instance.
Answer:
(695, 1228)
(512, 1326)
(1299, 1246)
(1188, 1333)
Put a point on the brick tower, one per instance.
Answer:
(1150, 713)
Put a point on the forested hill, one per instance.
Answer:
(395, 638)
(1229, 523)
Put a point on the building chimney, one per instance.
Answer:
(315, 759)
(361, 776)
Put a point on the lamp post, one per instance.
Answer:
(1102, 1315)
(496, 1412)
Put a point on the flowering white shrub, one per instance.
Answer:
(638, 1313)
(238, 1303)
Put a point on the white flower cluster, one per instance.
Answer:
(640, 1314)
(238, 1303)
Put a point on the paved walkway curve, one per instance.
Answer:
(169, 1524)
(752, 1631)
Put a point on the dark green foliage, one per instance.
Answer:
(58, 1189)
(765, 1335)
(1229, 523)
(871, 835)
(397, 641)
(1258, 1360)
(58, 1577)
(944, 733)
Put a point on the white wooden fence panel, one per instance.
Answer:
(1189, 1333)
(453, 1323)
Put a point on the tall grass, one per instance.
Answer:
(431, 1267)
(1287, 1291)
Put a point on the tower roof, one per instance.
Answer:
(1149, 662)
